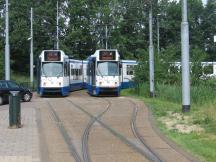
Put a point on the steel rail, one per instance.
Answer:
(113, 131)
(65, 134)
(85, 150)
(149, 152)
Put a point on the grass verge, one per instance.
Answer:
(195, 131)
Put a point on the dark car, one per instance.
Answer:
(6, 86)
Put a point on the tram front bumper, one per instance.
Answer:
(106, 90)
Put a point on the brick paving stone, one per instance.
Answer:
(22, 144)
(39, 140)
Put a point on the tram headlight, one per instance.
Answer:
(100, 83)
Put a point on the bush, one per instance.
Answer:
(166, 68)
(164, 71)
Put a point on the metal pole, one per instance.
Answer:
(57, 27)
(214, 42)
(158, 34)
(185, 59)
(31, 48)
(7, 45)
(106, 36)
(151, 55)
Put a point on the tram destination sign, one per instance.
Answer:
(107, 55)
(52, 56)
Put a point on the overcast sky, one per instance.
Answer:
(204, 1)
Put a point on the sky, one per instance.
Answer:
(204, 1)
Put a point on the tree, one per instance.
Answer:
(129, 34)
(208, 27)
(197, 56)
(19, 32)
(195, 17)
(80, 39)
(82, 28)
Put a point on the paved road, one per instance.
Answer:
(83, 129)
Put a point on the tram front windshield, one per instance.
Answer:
(107, 69)
(52, 69)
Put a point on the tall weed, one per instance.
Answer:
(202, 93)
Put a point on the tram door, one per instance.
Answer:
(38, 74)
(93, 72)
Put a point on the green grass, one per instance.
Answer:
(19, 78)
(23, 80)
(203, 113)
(202, 145)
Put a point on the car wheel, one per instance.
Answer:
(27, 97)
(1, 100)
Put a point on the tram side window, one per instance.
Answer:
(130, 69)
(72, 72)
(174, 69)
(76, 73)
(81, 70)
(66, 71)
(208, 69)
(68, 66)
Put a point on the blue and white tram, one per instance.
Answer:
(77, 74)
(53, 73)
(127, 73)
(103, 72)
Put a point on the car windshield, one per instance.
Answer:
(107, 69)
(52, 69)
(3, 85)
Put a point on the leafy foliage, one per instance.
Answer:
(83, 23)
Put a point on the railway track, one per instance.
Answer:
(149, 152)
(85, 150)
(89, 129)
(144, 151)
(64, 133)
